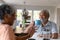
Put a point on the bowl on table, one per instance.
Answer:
(21, 34)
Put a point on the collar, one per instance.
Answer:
(48, 23)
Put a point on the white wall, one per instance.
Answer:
(58, 16)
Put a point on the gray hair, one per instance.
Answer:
(5, 9)
(46, 12)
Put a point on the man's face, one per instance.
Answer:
(43, 17)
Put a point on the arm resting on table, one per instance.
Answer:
(55, 35)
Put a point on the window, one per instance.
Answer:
(19, 16)
(32, 15)
(36, 14)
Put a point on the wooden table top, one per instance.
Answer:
(21, 37)
(27, 36)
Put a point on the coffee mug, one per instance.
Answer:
(37, 22)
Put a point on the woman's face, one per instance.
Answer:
(9, 19)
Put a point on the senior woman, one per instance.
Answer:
(7, 17)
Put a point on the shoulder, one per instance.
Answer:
(5, 26)
(52, 23)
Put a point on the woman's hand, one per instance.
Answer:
(30, 28)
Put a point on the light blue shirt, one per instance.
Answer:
(50, 27)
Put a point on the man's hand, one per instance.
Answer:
(40, 35)
(55, 35)
(44, 35)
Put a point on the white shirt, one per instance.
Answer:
(50, 27)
